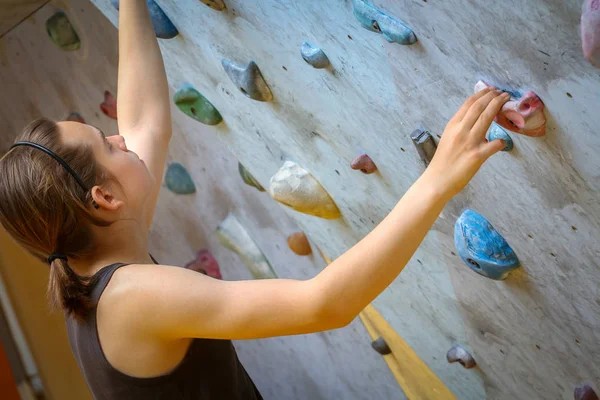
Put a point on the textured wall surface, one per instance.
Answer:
(535, 335)
(39, 79)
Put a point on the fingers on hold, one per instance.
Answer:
(468, 103)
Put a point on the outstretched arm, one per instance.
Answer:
(143, 93)
(176, 303)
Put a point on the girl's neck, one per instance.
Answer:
(124, 241)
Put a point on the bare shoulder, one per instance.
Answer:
(139, 295)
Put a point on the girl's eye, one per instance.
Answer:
(110, 146)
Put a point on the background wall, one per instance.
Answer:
(534, 335)
(38, 79)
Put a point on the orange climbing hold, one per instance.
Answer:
(109, 106)
(299, 244)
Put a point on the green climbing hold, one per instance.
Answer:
(194, 105)
(249, 179)
(62, 33)
(178, 180)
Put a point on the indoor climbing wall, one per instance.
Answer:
(62, 63)
(304, 88)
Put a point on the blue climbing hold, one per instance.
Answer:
(482, 248)
(497, 132)
(392, 29)
(163, 27)
(178, 180)
(314, 56)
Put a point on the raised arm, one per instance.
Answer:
(143, 93)
(176, 303)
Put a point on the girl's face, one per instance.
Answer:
(112, 154)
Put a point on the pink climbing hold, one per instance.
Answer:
(524, 115)
(206, 264)
(109, 106)
(364, 163)
(590, 31)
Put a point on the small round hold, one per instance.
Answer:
(460, 355)
(496, 132)
(585, 393)
(75, 117)
(381, 346)
(314, 56)
(298, 243)
(364, 163)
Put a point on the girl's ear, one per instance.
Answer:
(105, 200)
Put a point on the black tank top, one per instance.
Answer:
(209, 370)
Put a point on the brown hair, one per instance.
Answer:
(46, 211)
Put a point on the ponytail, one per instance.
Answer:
(69, 291)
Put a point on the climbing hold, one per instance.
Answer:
(218, 5)
(425, 144)
(178, 180)
(482, 248)
(109, 106)
(206, 264)
(295, 187)
(364, 163)
(75, 117)
(235, 237)
(585, 393)
(381, 346)
(314, 55)
(194, 105)
(392, 29)
(163, 27)
(248, 79)
(461, 356)
(249, 179)
(522, 113)
(299, 244)
(62, 33)
(497, 132)
(590, 31)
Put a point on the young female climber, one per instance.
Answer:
(84, 202)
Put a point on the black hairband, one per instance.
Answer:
(57, 158)
(56, 256)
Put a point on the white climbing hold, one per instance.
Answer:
(295, 187)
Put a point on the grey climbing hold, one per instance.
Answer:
(178, 179)
(497, 132)
(314, 56)
(585, 393)
(236, 238)
(218, 5)
(381, 346)
(163, 27)
(392, 29)
(461, 356)
(425, 144)
(248, 80)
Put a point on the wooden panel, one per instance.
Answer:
(8, 386)
(375, 96)
(13, 12)
(39, 79)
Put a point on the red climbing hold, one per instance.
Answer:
(109, 106)
(206, 264)
(364, 163)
